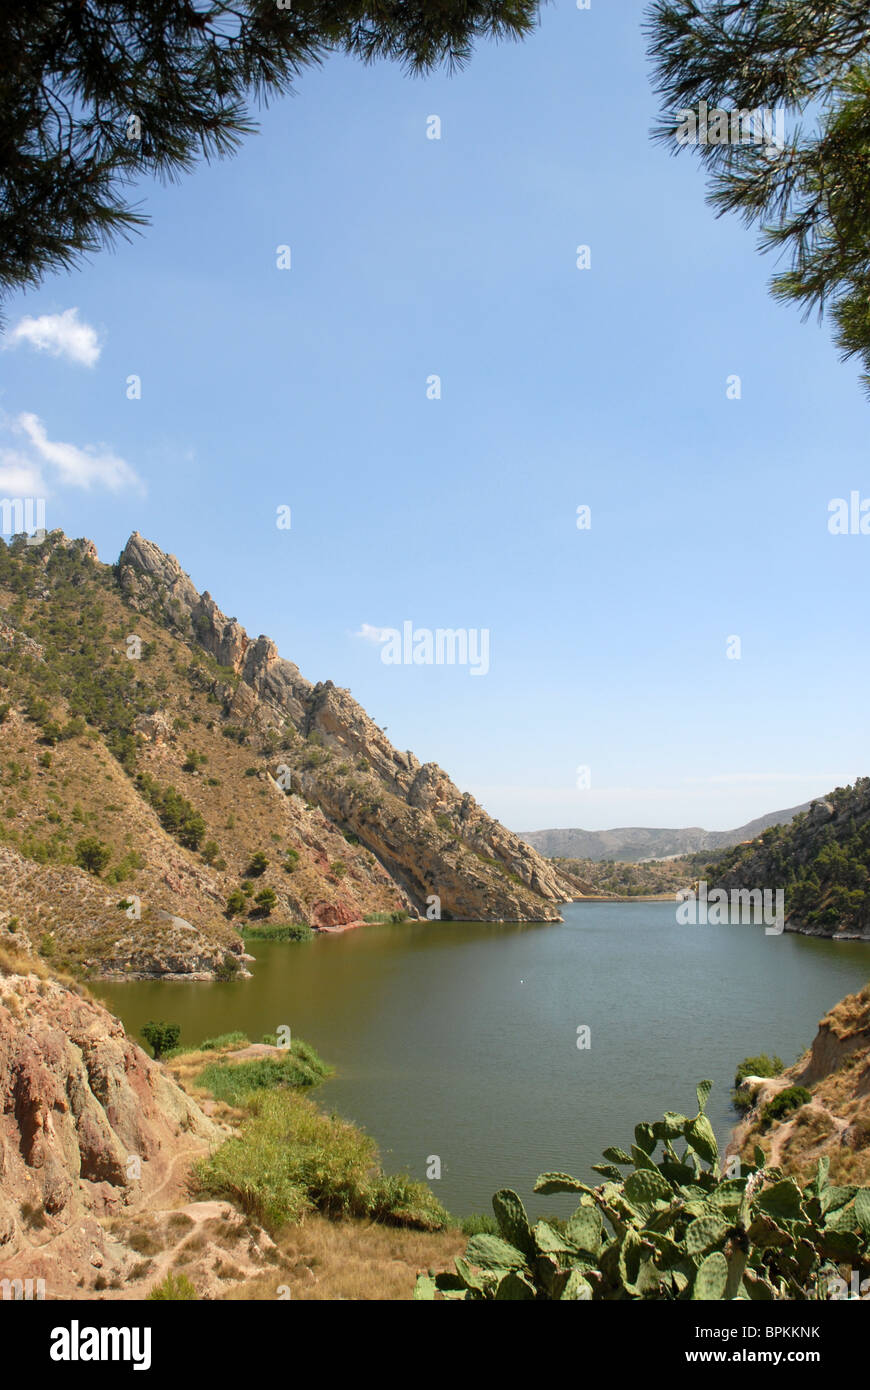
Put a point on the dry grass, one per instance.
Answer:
(352, 1260)
(17, 962)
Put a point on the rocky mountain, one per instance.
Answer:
(821, 861)
(166, 779)
(835, 1122)
(634, 843)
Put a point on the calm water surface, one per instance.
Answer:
(460, 1039)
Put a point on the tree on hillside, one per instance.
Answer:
(92, 854)
(809, 193)
(161, 1037)
(94, 94)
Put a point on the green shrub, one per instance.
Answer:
(228, 968)
(176, 1288)
(792, 1098)
(233, 1082)
(268, 931)
(92, 854)
(161, 1037)
(174, 811)
(266, 900)
(258, 865)
(236, 903)
(126, 867)
(222, 1040)
(758, 1066)
(762, 1065)
(671, 1228)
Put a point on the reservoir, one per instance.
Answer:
(459, 1041)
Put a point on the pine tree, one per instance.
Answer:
(810, 198)
(97, 94)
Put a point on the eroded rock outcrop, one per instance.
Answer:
(90, 1128)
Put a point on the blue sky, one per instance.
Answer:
(560, 387)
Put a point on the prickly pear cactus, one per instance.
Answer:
(669, 1228)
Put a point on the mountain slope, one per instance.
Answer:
(632, 843)
(135, 714)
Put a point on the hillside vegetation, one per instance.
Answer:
(821, 861)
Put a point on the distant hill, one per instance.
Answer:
(634, 843)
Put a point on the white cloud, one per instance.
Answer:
(373, 634)
(19, 477)
(40, 463)
(62, 335)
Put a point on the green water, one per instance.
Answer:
(460, 1039)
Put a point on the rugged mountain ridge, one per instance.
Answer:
(134, 712)
(424, 858)
(633, 843)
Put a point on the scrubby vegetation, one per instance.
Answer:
(232, 1082)
(174, 811)
(274, 931)
(821, 860)
(290, 1159)
(792, 1098)
(673, 1228)
(753, 1066)
(175, 1288)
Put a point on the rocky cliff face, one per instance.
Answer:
(96, 1147)
(90, 1128)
